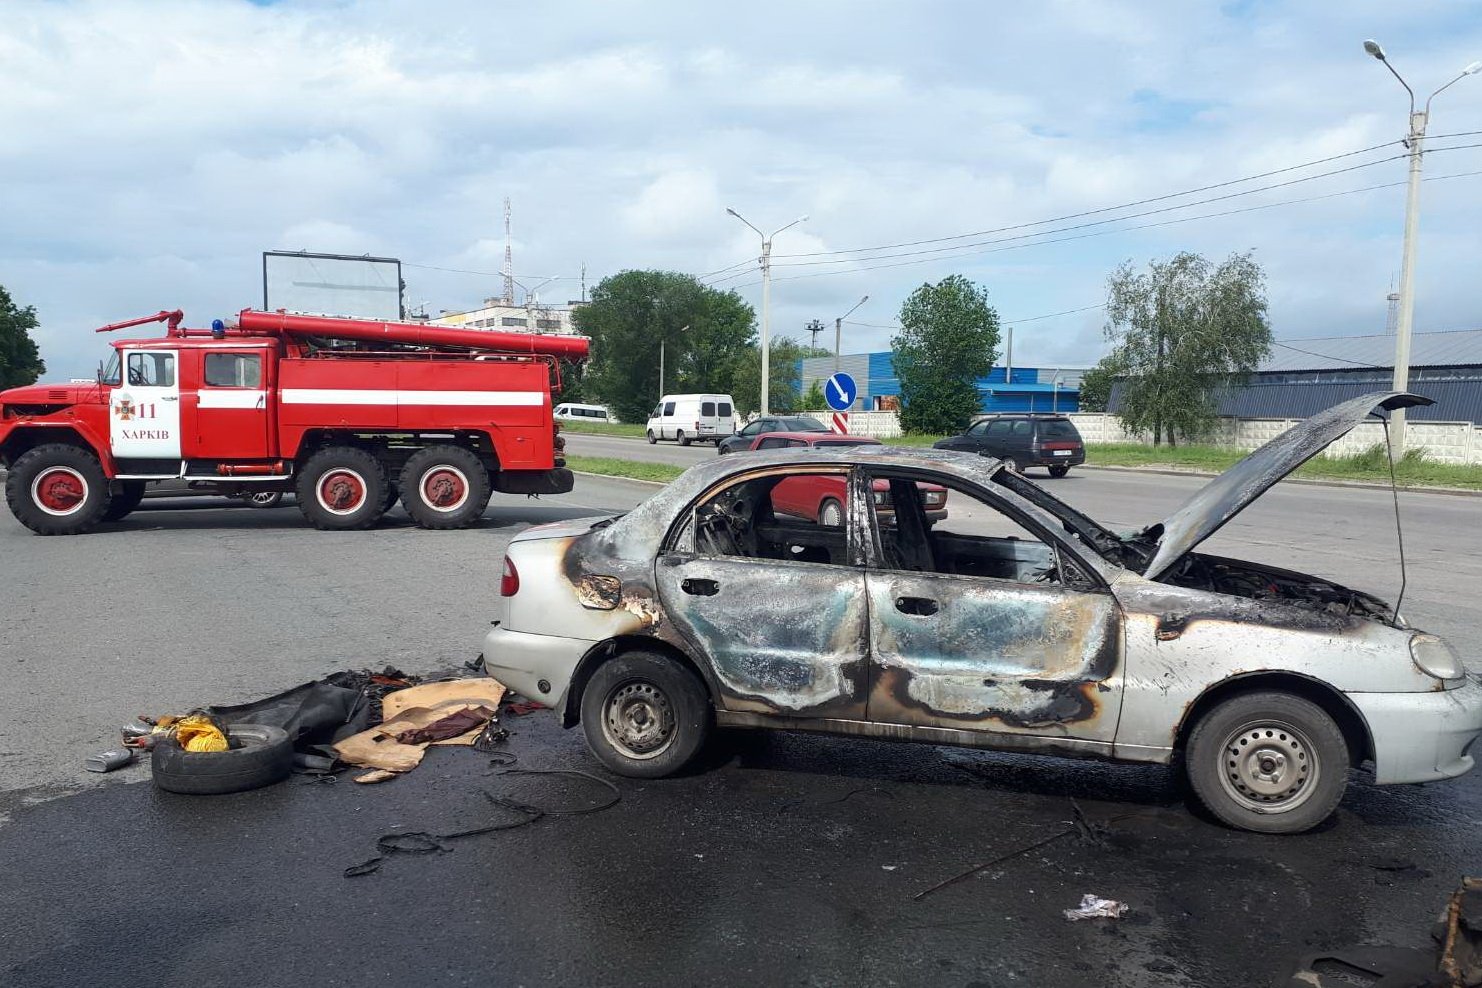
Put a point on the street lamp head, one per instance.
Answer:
(1372, 47)
(733, 212)
(1472, 69)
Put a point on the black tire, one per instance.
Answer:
(1272, 763)
(58, 489)
(126, 497)
(660, 715)
(1059, 471)
(341, 488)
(445, 487)
(683, 439)
(264, 756)
(652, 438)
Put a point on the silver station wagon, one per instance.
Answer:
(1015, 622)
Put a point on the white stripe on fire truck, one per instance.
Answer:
(232, 399)
(357, 396)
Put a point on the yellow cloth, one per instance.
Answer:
(196, 733)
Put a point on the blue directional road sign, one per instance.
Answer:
(840, 392)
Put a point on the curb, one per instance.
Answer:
(1310, 482)
(631, 480)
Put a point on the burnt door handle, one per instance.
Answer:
(699, 587)
(921, 606)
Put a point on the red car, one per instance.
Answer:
(821, 498)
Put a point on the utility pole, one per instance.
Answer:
(839, 331)
(766, 395)
(1414, 140)
(815, 327)
(509, 259)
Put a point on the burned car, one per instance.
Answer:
(1016, 623)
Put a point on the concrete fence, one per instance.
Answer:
(1455, 443)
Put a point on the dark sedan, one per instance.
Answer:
(1026, 440)
(770, 423)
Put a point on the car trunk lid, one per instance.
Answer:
(1228, 494)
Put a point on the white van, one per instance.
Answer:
(689, 418)
(572, 412)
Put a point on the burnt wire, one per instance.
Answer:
(426, 842)
(1394, 489)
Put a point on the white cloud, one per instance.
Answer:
(153, 148)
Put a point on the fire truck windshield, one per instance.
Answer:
(109, 374)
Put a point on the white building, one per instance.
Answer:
(530, 316)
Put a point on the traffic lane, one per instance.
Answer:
(623, 448)
(196, 601)
(1346, 534)
(788, 859)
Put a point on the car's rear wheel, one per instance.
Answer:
(645, 715)
(831, 514)
(1059, 471)
(683, 439)
(341, 488)
(1273, 763)
(445, 487)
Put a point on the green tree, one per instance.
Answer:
(20, 361)
(1096, 384)
(1181, 331)
(703, 331)
(948, 339)
(813, 399)
(785, 394)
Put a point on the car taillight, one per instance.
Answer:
(510, 584)
(1060, 445)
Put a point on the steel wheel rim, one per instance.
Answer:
(340, 491)
(1268, 767)
(263, 497)
(59, 491)
(638, 720)
(444, 488)
(832, 515)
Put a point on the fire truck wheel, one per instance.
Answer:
(445, 487)
(126, 497)
(57, 489)
(342, 488)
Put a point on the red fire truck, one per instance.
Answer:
(348, 414)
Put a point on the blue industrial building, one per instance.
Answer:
(1016, 389)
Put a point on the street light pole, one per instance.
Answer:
(839, 331)
(661, 361)
(1415, 138)
(766, 304)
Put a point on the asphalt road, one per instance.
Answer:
(782, 860)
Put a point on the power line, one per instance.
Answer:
(1103, 209)
(1103, 233)
(1094, 223)
(1324, 356)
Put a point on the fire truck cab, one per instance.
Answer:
(349, 415)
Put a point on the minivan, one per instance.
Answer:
(573, 412)
(1025, 440)
(691, 418)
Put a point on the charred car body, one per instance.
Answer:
(1016, 623)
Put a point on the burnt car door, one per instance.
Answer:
(775, 604)
(986, 620)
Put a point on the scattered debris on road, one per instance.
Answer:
(1095, 907)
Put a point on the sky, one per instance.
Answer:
(152, 150)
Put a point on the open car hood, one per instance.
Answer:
(1228, 494)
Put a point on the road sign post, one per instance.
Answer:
(840, 392)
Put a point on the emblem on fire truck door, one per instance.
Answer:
(124, 408)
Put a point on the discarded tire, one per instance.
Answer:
(264, 756)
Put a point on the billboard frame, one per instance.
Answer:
(401, 311)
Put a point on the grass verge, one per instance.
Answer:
(632, 431)
(1371, 466)
(609, 466)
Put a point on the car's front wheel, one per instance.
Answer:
(1273, 763)
(645, 715)
(652, 438)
